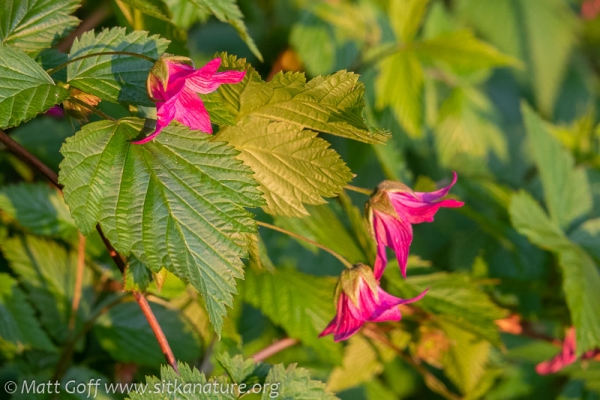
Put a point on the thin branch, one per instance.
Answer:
(337, 255)
(274, 349)
(156, 328)
(432, 382)
(78, 282)
(357, 189)
(19, 150)
(29, 158)
(94, 19)
(104, 53)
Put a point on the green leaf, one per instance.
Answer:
(406, 16)
(154, 8)
(48, 273)
(240, 370)
(361, 364)
(566, 188)
(176, 202)
(581, 277)
(137, 276)
(312, 39)
(455, 298)
(302, 304)
(39, 208)
(35, 25)
(26, 89)
(186, 13)
(292, 165)
(258, 258)
(466, 131)
(19, 326)
(464, 362)
(541, 34)
(325, 227)
(124, 332)
(294, 384)
(330, 104)
(399, 85)
(115, 77)
(228, 11)
(587, 235)
(463, 52)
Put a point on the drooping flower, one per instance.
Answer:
(392, 210)
(566, 356)
(360, 299)
(174, 84)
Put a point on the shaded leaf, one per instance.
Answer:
(294, 383)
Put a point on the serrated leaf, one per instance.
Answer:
(587, 235)
(330, 104)
(48, 273)
(302, 304)
(467, 131)
(137, 276)
(124, 332)
(19, 326)
(39, 208)
(455, 298)
(464, 362)
(26, 89)
(312, 39)
(406, 17)
(294, 383)
(566, 188)
(115, 78)
(292, 165)
(240, 370)
(177, 202)
(399, 85)
(186, 13)
(360, 364)
(541, 34)
(228, 11)
(34, 25)
(463, 52)
(258, 258)
(154, 8)
(581, 277)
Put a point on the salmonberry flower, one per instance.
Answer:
(566, 357)
(392, 210)
(174, 85)
(360, 299)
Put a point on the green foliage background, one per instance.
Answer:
(503, 92)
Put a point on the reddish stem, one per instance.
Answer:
(274, 349)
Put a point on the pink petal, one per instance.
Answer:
(391, 314)
(438, 194)
(565, 357)
(417, 212)
(394, 233)
(201, 84)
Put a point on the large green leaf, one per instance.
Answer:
(176, 202)
(228, 11)
(539, 33)
(455, 298)
(581, 276)
(154, 8)
(125, 333)
(406, 16)
(19, 326)
(39, 208)
(361, 363)
(33, 25)
(330, 104)
(566, 188)
(300, 303)
(26, 89)
(292, 165)
(399, 85)
(48, 272)
(115, 77)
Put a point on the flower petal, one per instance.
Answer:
(395, 233)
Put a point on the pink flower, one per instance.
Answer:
(174, 84)
(360, 299)
(392, 210)
(55, 112)
(566, 357)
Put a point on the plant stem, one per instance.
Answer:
(78, 282)
(104, 53)
(432, 382)
(274, 349)
(357, 189)
(337, 255)
(93, 109)
(29, 158)
(20, 151)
